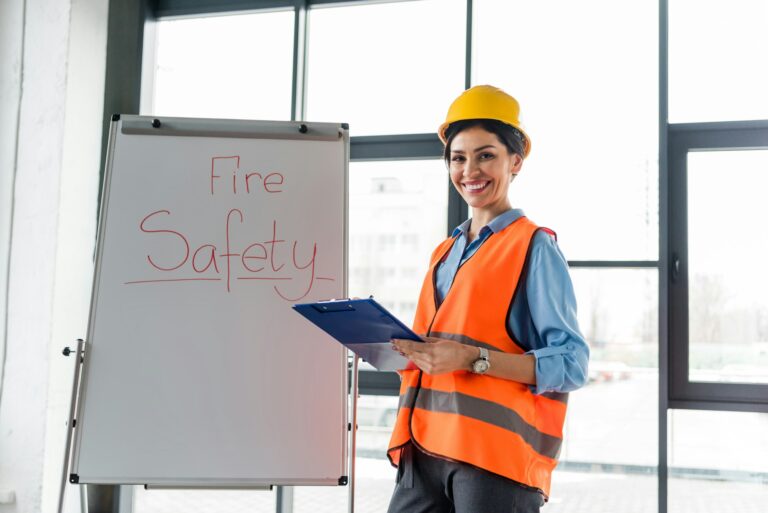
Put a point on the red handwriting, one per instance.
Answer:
(173, 279)
(261, 260)
(186, 244)
(221, 166)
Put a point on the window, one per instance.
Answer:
(202, 501)
(590, 108)
(719, 468)
(587, 92)
(727, 250)
(611, 427)
(386, 68)
(418, 209)
(216, 66)
(716, 55)
(718, 344)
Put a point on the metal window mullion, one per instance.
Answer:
(395, 147)
(730, 406)
(721, 136)
(184, 8)
(663, 277)
(731, 130)
(677, 248)
(339, 3)
(298, 82)
(468, 54)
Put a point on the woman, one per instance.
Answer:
(482, 407)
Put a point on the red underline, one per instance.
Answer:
(214, 279)
(265, 278)
(176, 279)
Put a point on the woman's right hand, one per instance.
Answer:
(437, 355)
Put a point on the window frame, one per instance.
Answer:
(684, 393)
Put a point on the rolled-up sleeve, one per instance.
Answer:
(562, 354)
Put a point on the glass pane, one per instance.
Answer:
(718, 461)
(717, 68)
(397, 215)
(727, 275)
(386, 68)
(237, 66)
(375, 475)
(202, 501)
(611, 444)
(586, 76)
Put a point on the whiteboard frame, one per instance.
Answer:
(193, 127)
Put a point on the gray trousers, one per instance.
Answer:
(426, 484)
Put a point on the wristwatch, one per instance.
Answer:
(482, 364)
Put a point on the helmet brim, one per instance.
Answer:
(444, 127)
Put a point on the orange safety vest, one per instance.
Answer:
(495, 424)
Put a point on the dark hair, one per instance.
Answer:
(509, 136)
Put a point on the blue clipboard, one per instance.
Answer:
(363, 326)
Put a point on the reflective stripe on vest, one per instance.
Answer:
(495, 424)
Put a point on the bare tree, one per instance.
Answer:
(705, 306)
(761, 319)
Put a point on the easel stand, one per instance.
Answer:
(96, 498)
(79, 354)
(353, 434)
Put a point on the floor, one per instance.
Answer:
(572, 492)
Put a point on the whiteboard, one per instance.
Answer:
(197, 371)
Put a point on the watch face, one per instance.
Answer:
(480, 366)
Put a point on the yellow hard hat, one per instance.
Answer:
(485, 102)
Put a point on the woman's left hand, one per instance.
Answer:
(437, 355)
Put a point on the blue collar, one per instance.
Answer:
(497, 224)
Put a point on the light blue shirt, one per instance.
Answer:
(543, 319)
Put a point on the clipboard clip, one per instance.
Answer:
(342, 299)
(342, 305)
(334, 306)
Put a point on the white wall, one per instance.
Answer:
(11, 24)
(54, 49)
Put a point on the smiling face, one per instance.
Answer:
(481, 170)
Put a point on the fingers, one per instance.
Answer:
(400, 345)
(408, 347)
(424, 356)
(436, 356)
